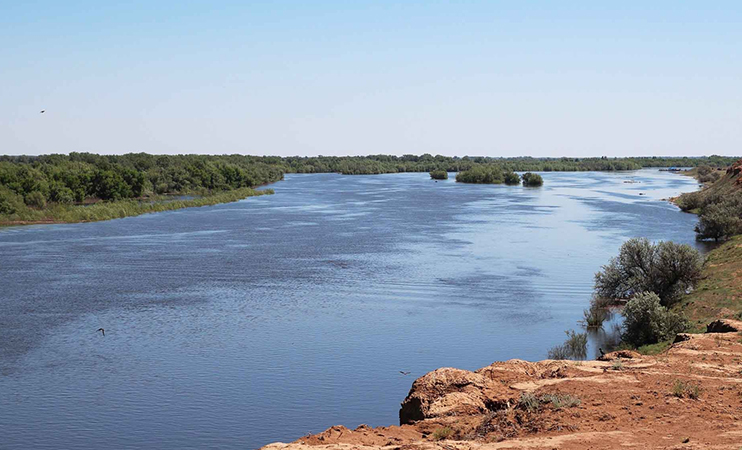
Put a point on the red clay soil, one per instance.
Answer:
(689, 397)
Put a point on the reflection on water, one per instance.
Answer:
(240, 324)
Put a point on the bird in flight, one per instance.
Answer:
(404, 373)
(43, 111)
(103, 332)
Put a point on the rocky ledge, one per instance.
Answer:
(689, 397)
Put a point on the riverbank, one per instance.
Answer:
(119, 209)
(688, 397)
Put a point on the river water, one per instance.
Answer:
(241, 324)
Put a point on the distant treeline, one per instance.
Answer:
(35, 181)
(377, 164)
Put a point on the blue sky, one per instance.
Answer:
(336, 78)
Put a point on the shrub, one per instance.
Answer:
(646, 321)
(559, 401)
(35, 199)
(704, 170)
(617, 364)
(575, 347)
(512, 178)
(439, 175)
(442, 433)
(690, 201)
(532, 179)
(721, 219)
(688, 389)
(710, 177)
(665, 268)
(529, 401)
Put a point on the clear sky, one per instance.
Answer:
(547, 78)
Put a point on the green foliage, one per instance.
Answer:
(65, 180)
(690, 201)
(721, 219)
(665, 268)
(79, 176)
(10, 202)
(596, 314)
(575, 347)
(481, 175)
(654, 349)
(439, 175)
(35, 199)
(121, 208)
(532, 179)
(512, 178)
(646, 321)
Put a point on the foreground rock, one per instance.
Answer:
(689, 397)
(453, 392)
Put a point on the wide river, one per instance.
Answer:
(241, 324)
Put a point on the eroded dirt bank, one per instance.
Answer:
(689, 397)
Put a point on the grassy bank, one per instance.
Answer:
(719, 293)
(119, 209)
(717, 296)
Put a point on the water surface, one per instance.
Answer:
(236, 325)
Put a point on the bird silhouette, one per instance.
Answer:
(404, 373)
(43, 111)
(103, 332)
(602, 353)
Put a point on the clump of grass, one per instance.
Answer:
(596, 314)
(617, 364)
(654, 349)
(442, 433)
(682, 389)
(531, 402)
(559, 401)
(594, 318)
(575, 347)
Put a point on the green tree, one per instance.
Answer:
(512, 178)
(532, 179)
(665, 268)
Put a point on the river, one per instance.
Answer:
(236, 325)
